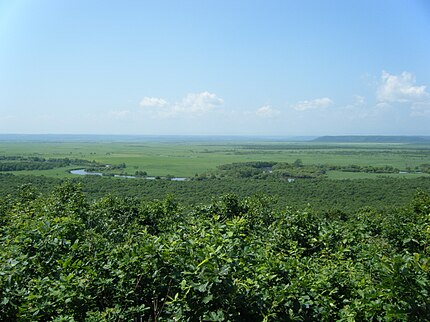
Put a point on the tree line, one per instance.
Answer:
(296, 169)
(20, 163)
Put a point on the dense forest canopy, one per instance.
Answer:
(64, 257)
(322, 194)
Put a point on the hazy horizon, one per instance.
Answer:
(215, 68)
(49, 137)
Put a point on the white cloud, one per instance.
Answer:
(118, 114)
(400, 89)
(191, 104)
(267, 111)
(382, 106)
(421, 109)
(359, 100)
(153, 102)
(313, 104)
(357, 109)
(358, 103)
(198, 103)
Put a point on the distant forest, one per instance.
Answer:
(373, 139)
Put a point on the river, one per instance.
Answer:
(82, 172)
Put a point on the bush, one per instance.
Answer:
(65, 258)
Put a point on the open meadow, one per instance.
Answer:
(187, 157)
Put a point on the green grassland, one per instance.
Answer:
(186, 158)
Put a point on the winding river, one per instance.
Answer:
(82, 172)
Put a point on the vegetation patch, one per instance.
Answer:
(20, 163)
(66, 258)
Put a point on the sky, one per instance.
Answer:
(215, 67)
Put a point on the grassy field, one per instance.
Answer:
(186, 158)
(338, 175)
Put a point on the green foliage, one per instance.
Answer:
(264, 170)
(284, 170)
(20, 163)
(324, 195)
(65, 258)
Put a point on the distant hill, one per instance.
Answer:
(373, 139)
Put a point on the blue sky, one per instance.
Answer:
(215, 67)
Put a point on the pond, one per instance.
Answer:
(82, 172)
